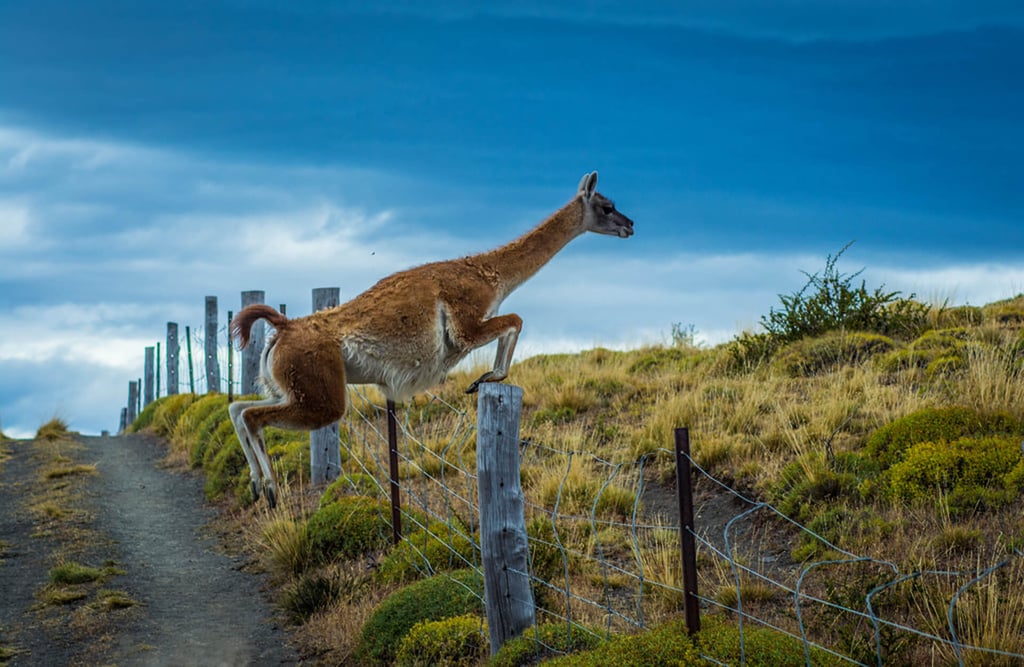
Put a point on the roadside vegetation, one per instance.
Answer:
(888, 426)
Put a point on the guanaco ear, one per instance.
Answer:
(588, 185)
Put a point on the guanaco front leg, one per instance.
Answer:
(504, 328)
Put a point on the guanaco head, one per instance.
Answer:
(599, 214)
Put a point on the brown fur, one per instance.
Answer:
(404, 333)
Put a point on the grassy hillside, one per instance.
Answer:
(889, 428)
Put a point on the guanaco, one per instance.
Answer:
(404, 334)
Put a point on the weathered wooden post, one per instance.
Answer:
(149, 366)
(172, 358)
(503, 542)
(158, 369)
(124, 420)
(212, 366)
(133, 401)
(251, 353)
(324, 443)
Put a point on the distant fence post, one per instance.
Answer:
(148, 368)
(158, 369)
(251, 353)
(687, 543)
(124, 420)
(503, 541)
(212, 366)
(231, 361)
(325, 443)
(172, 358)
(133, 401)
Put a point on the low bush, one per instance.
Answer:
(439, 597)
(427, 551)
(670, 645)
(353, 484)
(809, 356)
(347, 528)
(167, 411)
(542, 642)
(888, 444)
(460, 641)
(971, 472)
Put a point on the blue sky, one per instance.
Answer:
(153, 153)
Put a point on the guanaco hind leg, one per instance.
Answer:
(260, 469)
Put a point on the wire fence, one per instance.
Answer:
(605, 557)
(604, 539)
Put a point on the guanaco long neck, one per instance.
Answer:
(519, 260)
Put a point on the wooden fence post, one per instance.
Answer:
(324, 443)
(133, 401)
(251, 353)
(172, 358)
(212, 365)
(148, 367)
(158, 369)
(124, 420)
(503, 541)
(687, 543)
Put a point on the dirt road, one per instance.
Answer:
(186, 601)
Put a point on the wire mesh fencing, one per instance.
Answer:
(604, 541)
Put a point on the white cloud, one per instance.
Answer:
(15, 220)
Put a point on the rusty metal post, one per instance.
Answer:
(396, 499)
(687, 544)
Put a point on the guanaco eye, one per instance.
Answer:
(607, 208)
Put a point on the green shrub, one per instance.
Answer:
(973, 471)
(888, 444)
(671, 646)
(228, 470)
(460, 641)
(353, 484)
(427, 551)
(350, 527)
(829, 301)
(943, 367)
(946, 341)
(813, 355)
(215, 413)
(439, 597)
(545, 641)
(144, 419)
(168, 411)
(187, 427)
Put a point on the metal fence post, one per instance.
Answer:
(687, 544)
(396, 497)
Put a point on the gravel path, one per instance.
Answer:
(197, 606)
